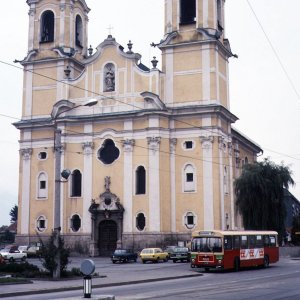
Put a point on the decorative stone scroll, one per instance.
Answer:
(153, 143)
(206, 142)
(87, 148)
(26, 153)
(128, 145)
(222, 143)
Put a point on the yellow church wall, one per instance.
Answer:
(79, 90)
(187, 59)
(213, 86)
(141, 83)
(223, 91)
(187, 87)
(200, 14)
(44, 76)
(43, 101)
(222, 65)
(42, 134)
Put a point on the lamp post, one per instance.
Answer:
(57, 186)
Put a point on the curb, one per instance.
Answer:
(74, 288)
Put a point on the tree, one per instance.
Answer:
(49, 252)
(260, 195)
(14, 214)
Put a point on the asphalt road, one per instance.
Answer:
(280, 281)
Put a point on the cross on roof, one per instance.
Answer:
(110, 28)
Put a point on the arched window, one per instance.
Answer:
(76, 183)
(246, 160)
(189, 180)
(42, 189)
(140, 177)
(47, 27)
(189, 220)
(79, 32)
(187, 11)
(75, 223)
(109, 78)
(140, 221)
(41, 223)
(219, 15)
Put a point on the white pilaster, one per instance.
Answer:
(221, 179)
(25, 200)
(173, 143)
(32, 12)
(154, 184)
(87, 181)
(208, 196)
(62, 24)
(128, 185)
(28, 90)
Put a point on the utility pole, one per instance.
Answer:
(57, 226)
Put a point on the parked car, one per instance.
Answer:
(11, 253)
(2, 261)
(154, 255)
(169, 249)
(23, 249)
(181, 254)
(124, 255)
(33, 251)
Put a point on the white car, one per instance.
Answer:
(12, 253)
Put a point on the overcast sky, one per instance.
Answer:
(264, 80)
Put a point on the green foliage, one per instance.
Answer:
(49, 252)
(260, 195)
(14, 214)
(21, 270)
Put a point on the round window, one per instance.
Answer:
(75, 223)
(108, 153)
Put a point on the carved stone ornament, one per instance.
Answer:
(128, 145)
(32, 12)
(153, 143)
(62, 7)
(222, 143)
(173, 143)
(206, 142)
(26, 153)
(229, 146)
(107, 201)
(87, 148)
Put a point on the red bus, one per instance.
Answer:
(216, 249)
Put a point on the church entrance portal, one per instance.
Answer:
(108, 236)
(107, 222)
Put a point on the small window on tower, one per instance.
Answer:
(187, 11)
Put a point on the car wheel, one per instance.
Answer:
(174, 260)
(113, 262)
(143, 261)
(134, 260)
(206, 269)
(165, 260)
(23, 258)
(11, 259)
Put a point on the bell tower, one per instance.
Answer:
(195, 53)
(57, 28)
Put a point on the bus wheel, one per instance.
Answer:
(236, 264)
(266, 261)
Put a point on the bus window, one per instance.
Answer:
(252, 239)
(272, 241)
(227, 242)
(244, 242)
(259, 241)
(266, 241)
(236, 242)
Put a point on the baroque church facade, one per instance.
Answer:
(154, 158)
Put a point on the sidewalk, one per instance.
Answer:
(111, 275)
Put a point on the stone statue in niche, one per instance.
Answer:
(109, 78)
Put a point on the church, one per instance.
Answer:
(114, 153)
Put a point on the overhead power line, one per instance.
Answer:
(274, 51)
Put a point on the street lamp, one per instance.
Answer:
(58, 150)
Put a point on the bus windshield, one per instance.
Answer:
(207, 244)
